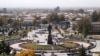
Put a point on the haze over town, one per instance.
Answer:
(48, 3)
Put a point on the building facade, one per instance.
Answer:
(96, 28)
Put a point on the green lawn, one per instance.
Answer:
(35, 46)
(48, 47)
(5, 55)
(97, 53)
(70, 44)
(8, 37)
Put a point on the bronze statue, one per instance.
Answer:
(49, 41)
(49, 29)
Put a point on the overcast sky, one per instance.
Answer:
(49, 3)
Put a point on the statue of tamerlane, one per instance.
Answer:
(49, 35)
(49, 29)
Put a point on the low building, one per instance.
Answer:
(96, 28)
(28, 20)
(65, 23)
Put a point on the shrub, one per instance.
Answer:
(27, 52)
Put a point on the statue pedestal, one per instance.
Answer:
(49, 41)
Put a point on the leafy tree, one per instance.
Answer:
(44, 21)
(37, 17)
(52, 17)
(10, 33)
(99, 16)
(0, 49)
(24, 33)
(10, 21)
(82, 51)
(3, 20)
(5, 48)
(81, 11)
(84, 26)
(34, 21)
(95, 16)
(74, 27)
(61, 17)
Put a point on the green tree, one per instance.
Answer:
(81, 11)
(99, 16)
(61, 17)
(52, 17)
(10, 34)
(34, 22)
(10, 21)
(82, 51)
(84, 26)
(44, 21)
(3, 20)
(5, 48)
(74, 27)
(95, 16)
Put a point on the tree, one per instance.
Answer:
(61, 17)
(24, 33)
(99, 16)
(28, 52)
(81, 11)
(53, 17)
(10, 33)
(3, 20)
(82, 51)
(34, 22)
(84, 26)
(95, 16)
(5, 48)
(74, 27)
(10, 21)
(44, 21)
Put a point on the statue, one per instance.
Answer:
(49, 41)
(49, 29)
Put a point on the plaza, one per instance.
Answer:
(39, 37)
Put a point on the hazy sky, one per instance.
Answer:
(49, 3)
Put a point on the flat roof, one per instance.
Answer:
(95, 22)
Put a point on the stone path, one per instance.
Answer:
(97, 48)
(58, 54)
(16, 46)
(82, 43)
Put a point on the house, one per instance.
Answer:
(65, 23)
(28, 20)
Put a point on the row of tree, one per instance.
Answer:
(83, 26)
(4, 21)
(54, 17)
(51, 18)
(95, 16)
